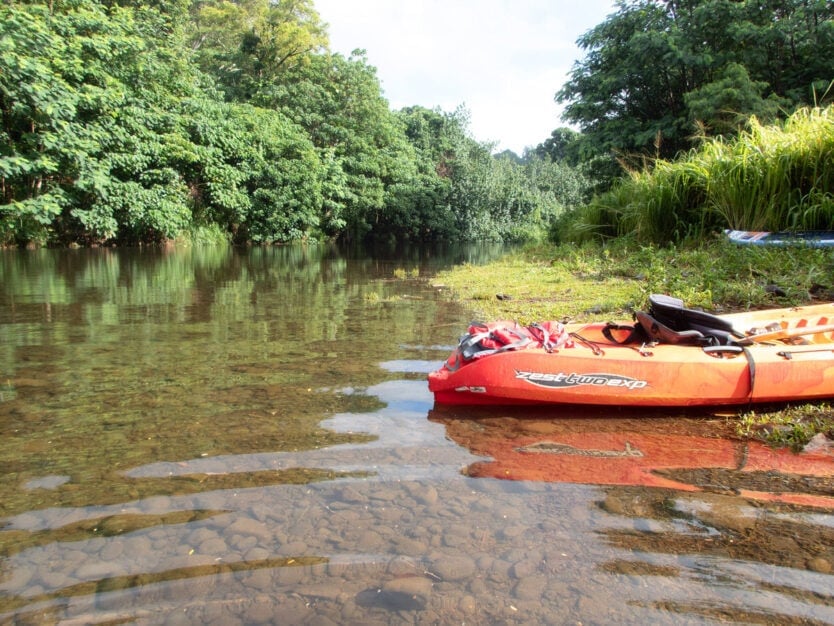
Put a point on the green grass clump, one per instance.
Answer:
(776, 177)
(791, 427)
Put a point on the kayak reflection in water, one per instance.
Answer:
(684, 454)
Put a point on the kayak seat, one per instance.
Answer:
(678, 324)
(660, 333)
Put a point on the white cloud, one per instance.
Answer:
(503, 59)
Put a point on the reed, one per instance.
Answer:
(774, 177)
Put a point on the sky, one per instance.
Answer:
(503, 60)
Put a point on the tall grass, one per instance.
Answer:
(776, 177)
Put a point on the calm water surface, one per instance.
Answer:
(246, 437)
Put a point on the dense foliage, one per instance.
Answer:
(770, 177)
(139, 121)
(657, 68)
(145, 120)
(707, 82)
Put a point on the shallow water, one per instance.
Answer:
(225, 436)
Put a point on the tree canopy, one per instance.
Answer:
(139, 120)
(145, 120)
(656, 70)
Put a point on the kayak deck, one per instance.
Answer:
(782, 355)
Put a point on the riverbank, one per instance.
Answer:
(609, 282)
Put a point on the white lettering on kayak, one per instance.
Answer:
(561, 380)
(471, 389)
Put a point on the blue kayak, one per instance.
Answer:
(810, 238)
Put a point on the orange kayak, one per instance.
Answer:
(665, 359)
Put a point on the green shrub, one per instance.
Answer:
(778, 177)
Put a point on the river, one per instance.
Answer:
(224, 436)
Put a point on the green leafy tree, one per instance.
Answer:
(466, 193)
(110, 134)
(339, 103)
(621, 102)
(561, 146)
(70, 94)
(136, 120)
(284, 181)
(423, 209)
(656, 66)
(561, 186)
(248, 44)
(136, 193)
(729, 100)
(249, 170)
(490, 197)
(455, 199)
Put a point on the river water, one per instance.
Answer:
(220, 436)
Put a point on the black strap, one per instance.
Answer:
(751, 365)
(594, 347)
(720, 351)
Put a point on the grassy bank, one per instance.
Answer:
(596, 282)
(776, 177)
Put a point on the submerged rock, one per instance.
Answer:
(819, 443)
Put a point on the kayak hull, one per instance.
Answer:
(597, 371)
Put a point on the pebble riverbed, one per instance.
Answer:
(417, 542)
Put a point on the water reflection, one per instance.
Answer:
(246, 437)
(766, 565)
(161, 355)
(686, 454)
(735, 515)
(399, 444)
